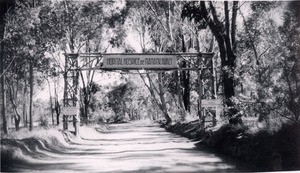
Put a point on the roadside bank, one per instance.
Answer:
(262, 150)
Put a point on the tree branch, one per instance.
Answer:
(250, 37)
(227, 23)
(157, 17)
(150, 90)
(233, 24)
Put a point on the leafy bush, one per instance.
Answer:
(43, 121)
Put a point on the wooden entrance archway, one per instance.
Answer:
(202, 63)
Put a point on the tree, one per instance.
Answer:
(87, 95)
(291, 61)
(206, 14)
(267, 68)
(160, 30)
(257, 28)
(13, 86)
(4, 7)
(21, 37)
(83, 27)
(117, 101)
(159, 90)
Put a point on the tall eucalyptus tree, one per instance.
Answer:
(220, 17)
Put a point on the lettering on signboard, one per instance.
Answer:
(140, 61)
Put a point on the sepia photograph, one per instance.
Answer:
(149, 86)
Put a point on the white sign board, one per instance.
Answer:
(139, 61)
(211, 103)
(69, 110)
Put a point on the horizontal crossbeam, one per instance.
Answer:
(162, 69)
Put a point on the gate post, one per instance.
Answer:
(70, 110)
(199, 91)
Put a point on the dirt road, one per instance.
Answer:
(129, 147)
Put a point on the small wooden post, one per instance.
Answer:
(66, 121)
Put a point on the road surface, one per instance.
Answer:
(128, 147)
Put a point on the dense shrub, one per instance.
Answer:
(43, 121)
(262, 151)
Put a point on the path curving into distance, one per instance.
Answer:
(128, 147)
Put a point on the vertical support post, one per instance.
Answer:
(71, 88)
(213, 78)
(65, 99)
(214, 91)
(200, 93)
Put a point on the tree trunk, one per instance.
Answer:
(17, 119)
(4, 5)
(17, 122)
(225, 48)
(86, 109)
(3, 90)
(185, 75)
(185, 81)
(56, 104)
(57, 110)
(85, 105)
(124, 108)
(226, 43)
(3, 93)
(162, 99)
(31, 95)
(24, 112)
(179, 95)
(51, 104)
(14, 96)
(152, 89)
(87, 87)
